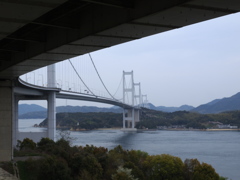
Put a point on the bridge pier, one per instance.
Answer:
(131, 118)
(51, 76)
(15, 123)
(51, 115)
(6, 116)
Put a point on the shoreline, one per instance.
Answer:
(119, 128)
(222, 129)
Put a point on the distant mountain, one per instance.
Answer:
(170, 109)
(86, 109)
(26, 108)
(33, 115)
(220, 105)
(32, 111)
(216, 106)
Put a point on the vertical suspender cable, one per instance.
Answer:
(80, 77)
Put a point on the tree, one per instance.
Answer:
(205, 172)
(123, 174)
(135, 160)
(54, 168)
(164, 167)
(45, 144)
(189, 168)
(27, 144)
(116, 158)
(92, 166)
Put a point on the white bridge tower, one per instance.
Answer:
(130, 115)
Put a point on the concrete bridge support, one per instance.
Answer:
(50, 96)
(131, 118)
(51, 115)
(35, 136)
(51, 75)
(6, 116)
(15, 131)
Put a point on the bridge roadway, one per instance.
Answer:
(26, 91)
(38, 33)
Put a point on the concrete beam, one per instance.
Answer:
(27, 91)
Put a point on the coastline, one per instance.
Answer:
(199, 129)
(120, 128)
(222, 129)
(172, 129)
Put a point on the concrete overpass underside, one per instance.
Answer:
(37, 33)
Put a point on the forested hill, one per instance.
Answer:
(170, 109)
(149, 119)
(27, 108)
(36, 112)
(220, 105)
(88, 121)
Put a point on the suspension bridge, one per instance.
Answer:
(71, 79)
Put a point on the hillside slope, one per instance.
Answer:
(220, 105)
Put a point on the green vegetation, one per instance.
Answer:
(61, 161)
(27, 148)
(149, 119)
(87, 120)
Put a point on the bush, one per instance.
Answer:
(27, 144)
(54, 168)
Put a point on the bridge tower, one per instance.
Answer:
(133, 113)
(145, 102)
(139, 95)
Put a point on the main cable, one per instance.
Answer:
(80, 77)
(100, 77)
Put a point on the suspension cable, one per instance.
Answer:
(100, 77)
(118, 86)
(80, 77)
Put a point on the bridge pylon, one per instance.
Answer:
(145, 102)
(130, 116)
(139, 95)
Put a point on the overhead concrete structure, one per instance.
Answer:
(37, 33)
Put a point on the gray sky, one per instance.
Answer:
(191, 65)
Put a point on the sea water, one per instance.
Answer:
(221, 149)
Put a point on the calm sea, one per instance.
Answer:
(221, 149)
